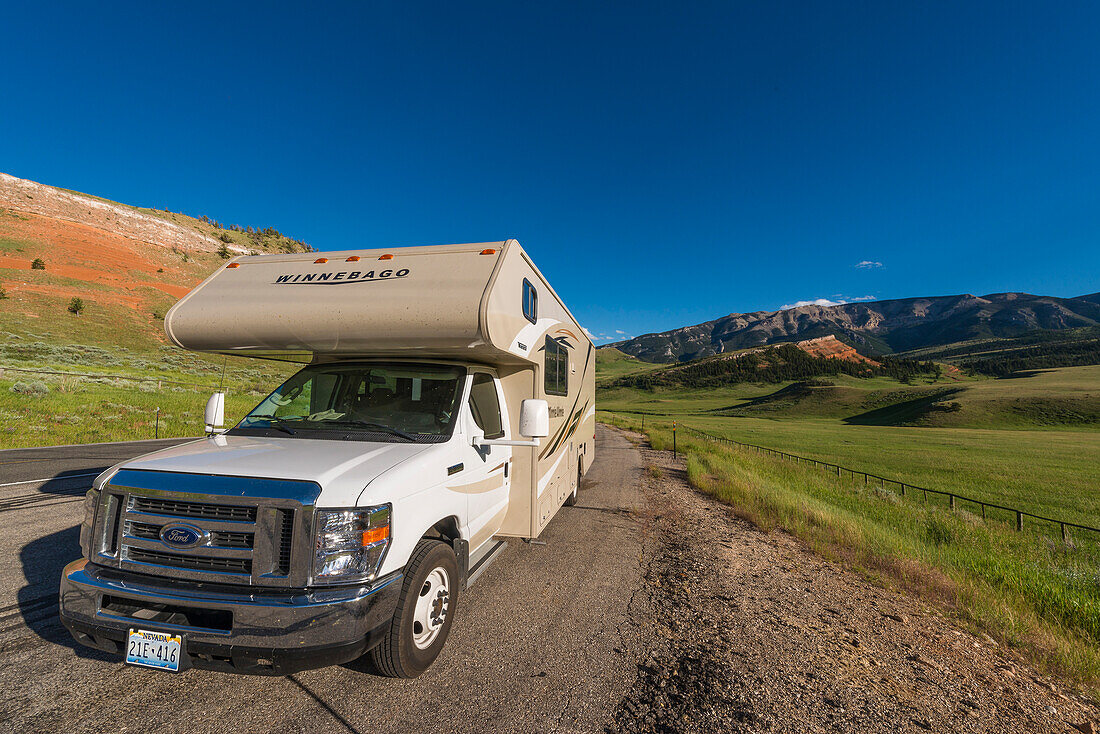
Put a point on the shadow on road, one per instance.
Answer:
(323, 704)
(43, 560)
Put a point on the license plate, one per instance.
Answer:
(154, 650)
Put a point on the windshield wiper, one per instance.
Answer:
(278, 424)
(378, 427)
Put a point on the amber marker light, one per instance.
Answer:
(233, 265)
(387, 256)
(488, 252)
(320, 260)
(352, 259)
(376, 534)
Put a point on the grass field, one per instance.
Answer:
(112, 393)
(81, 410)
(1050, 469)
(1038, 595)
(611, 363)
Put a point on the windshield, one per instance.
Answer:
(363, 401)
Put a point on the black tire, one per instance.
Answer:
(571, 500)
(399, 655)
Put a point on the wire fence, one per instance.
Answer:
(954, 499)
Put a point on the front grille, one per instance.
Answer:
(286, 540)
(194, 510)
(218, 539)
(231, 540)
(250, 531)
(143, 530)
(233, 535)
(241, 566)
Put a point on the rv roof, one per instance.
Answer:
(425, 302)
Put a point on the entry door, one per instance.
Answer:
(488, 470)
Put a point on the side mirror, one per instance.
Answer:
(215, 412)
(534, 419)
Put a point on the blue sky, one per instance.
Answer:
(665, 164)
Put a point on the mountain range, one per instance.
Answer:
(874, 328)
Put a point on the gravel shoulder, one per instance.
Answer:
(753, 632)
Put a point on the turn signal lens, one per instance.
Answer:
(488, 252)
(352, 259)
(376, 535)
(233, 265)
(320, 260)
(387, 256)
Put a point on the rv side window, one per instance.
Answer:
(556, 368)
(485, 406)
(530, 302)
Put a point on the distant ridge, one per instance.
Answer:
(873, 328)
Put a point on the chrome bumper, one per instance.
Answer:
(264, 631)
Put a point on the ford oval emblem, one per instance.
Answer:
(181, 536)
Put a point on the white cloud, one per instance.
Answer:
(825, 302)
(815, 302)
(619, 331)
(868, 264)
(588, 333)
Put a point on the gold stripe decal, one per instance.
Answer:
(485, 485)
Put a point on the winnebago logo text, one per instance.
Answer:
(344, 276)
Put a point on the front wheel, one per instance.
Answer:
(425, 609)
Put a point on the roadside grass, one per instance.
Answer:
(1028, 590)
(75, 410)
(111, 392)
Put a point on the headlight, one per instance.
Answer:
(91, 505)
(350, 544)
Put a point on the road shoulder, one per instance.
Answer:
(756, 633)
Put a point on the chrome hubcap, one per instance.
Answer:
(431, 608)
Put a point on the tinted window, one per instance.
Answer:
(530, 302)
(484, 405)
(556, 368)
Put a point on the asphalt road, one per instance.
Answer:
(544, 641)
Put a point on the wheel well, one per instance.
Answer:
(445, 530)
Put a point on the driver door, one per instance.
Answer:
(486, 475)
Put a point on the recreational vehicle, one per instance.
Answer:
(446, 403)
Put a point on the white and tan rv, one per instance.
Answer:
(446, 403)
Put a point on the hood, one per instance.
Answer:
(342, 468)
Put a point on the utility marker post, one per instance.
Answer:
(156, 431)
(673, 438)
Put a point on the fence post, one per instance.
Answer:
(156, 431)
(951, 497)
(903, 490)
(643, 421)
(1019, 521)
(1065, 533)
